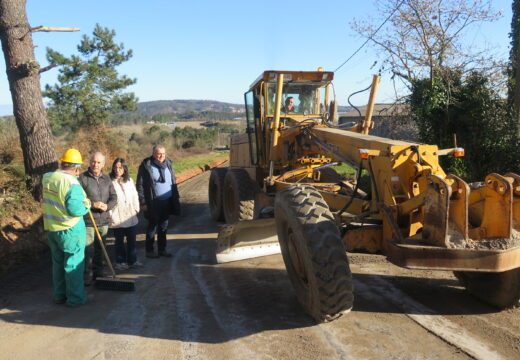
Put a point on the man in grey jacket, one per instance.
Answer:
(101, 192)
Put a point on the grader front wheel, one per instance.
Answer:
(313, 253)
(215, 193)
(239, 196)
(498, 289)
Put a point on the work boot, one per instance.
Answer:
(165, 253)
(151, 255)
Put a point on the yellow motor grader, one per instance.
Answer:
(281, 193)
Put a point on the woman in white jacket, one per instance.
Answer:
(123, 217)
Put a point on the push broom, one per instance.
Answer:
(110, 282)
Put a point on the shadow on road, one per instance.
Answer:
(223, 303)
(189, 298)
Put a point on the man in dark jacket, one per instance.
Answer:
(158, 197)
(103, 197)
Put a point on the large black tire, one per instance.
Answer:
(239, 196)
(498, 289)
(314, 255)
(215, 191)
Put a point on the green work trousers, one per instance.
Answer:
(68, 254)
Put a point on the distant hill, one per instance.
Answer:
(344, 109)
(182, 106)
(158, 107)
(176, 107)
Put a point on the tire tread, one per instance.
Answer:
(330, 267)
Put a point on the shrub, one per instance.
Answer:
(482, 121)
(10, 149)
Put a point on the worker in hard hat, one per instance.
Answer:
(64, 204)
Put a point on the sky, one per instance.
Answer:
(213, 50)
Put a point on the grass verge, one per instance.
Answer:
(188, 163)
(197, 161)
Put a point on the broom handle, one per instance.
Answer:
(101, 244)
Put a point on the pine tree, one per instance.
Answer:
(89, 87)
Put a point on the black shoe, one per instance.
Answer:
(60, 301)
(152, 255)
(165, 253)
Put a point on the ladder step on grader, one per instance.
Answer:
(281, 194)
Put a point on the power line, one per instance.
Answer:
(370, 38)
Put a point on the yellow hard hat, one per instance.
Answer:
(72, 156)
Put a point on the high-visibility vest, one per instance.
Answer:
(56, 185)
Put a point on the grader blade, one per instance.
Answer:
(458, 211)
(482, 241)
(436, 212)
(514, 179)
(491, 209)
(247, 239)
(497, 209)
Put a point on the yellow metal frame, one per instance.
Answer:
(418, 215)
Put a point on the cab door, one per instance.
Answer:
(251, 127)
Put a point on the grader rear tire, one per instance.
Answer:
(313, 253)
(239, 196)
(215, 193)
(498, 289)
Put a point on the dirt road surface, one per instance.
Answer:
(187, 307)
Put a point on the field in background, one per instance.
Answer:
(346, 171)
(188, 163)
(132, 142)
(21, 232)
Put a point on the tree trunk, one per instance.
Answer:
(24, 82)
(514, 59)
(517, 82)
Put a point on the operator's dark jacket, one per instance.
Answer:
(99, 190)
(146, 189)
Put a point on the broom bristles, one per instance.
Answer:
(108, 283)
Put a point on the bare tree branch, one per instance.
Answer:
(47, 68)
(51, 29)
(424, 36)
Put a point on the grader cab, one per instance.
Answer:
(281, 193)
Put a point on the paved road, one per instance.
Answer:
(187, 307)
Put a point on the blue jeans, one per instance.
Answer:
(157, 216)
(125, 254)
